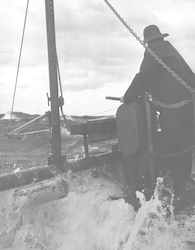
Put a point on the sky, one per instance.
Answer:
(97, 55)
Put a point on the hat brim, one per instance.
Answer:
(150, 38)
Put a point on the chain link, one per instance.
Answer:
(175, 154)
(150, 98)
(169, 70)
(169, 106)
(149, 50)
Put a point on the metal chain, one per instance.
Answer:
(170, 70)
(150, 98)
(148, 49)
(147, 99)
(169, 106)
(175, 154)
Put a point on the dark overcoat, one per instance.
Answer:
(177, 129)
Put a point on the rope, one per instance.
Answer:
(58, 71)
(18, 66)
(104, 111)
(61, 93)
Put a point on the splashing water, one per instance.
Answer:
(88, 220)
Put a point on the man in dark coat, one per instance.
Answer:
(176, 124)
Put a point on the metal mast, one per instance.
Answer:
(56, 158)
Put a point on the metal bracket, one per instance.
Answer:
(61, 101)
(48, 99)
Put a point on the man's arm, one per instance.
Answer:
(142, 81)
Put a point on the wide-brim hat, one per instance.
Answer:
(152, 32)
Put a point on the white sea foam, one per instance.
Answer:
(88, 220)
(7, 116)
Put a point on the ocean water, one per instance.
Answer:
(88, 220)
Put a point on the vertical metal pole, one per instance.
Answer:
(52, 61)
(193, 155)
(149, 129)
(85, 140)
